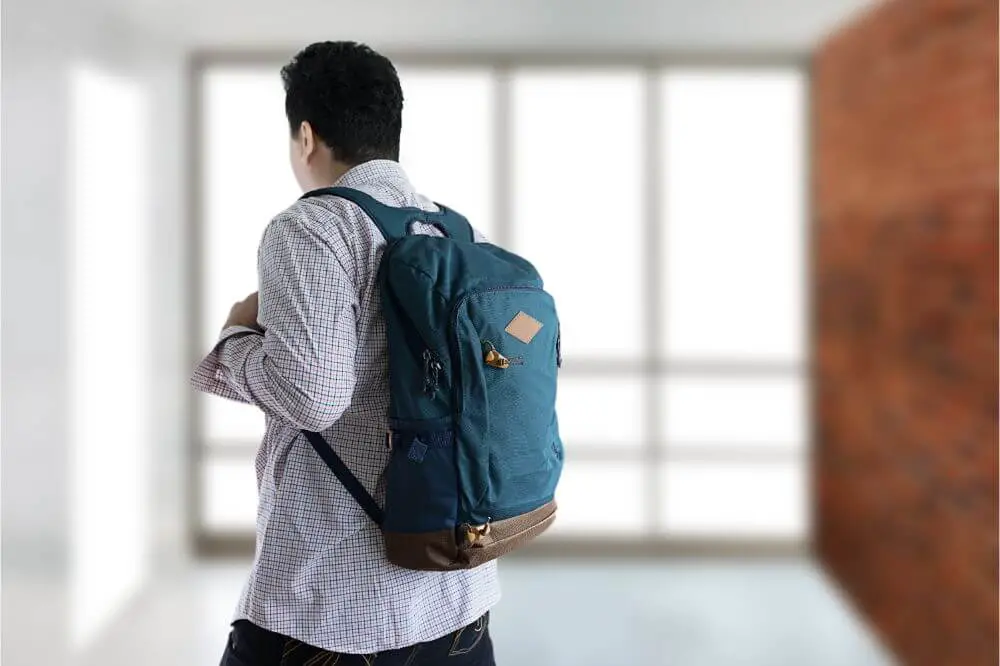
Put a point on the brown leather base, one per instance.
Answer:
(510, 534)
(424, 551)
(440, 551)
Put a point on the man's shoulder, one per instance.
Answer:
(327, 217)
(318, 210)
(328, 222)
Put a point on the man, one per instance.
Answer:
(314, 358)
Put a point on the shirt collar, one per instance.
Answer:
(375, 171)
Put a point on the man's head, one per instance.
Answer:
(344, 106)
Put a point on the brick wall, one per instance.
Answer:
(905, 254)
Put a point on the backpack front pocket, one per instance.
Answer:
(505, 339)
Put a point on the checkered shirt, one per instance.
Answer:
(320, 573)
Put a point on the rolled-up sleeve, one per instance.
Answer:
(301, 368)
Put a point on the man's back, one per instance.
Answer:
(320, 573)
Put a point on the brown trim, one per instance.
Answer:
(567, 550)
(469, 545)
(510, 534)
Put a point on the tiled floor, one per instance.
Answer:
(677, 613)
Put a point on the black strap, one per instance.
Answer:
(345, 476)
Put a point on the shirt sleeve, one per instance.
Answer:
(301, 368)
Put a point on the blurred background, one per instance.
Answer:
(780, 414)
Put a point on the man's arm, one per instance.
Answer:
(300, 367)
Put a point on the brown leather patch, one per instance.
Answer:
(524, 327)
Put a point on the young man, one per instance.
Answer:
(312, 355)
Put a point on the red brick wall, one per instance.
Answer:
(905, 254)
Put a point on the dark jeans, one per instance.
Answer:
(249, 645)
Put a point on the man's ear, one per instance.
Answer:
(307, 139)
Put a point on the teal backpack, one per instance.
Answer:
(474, 354)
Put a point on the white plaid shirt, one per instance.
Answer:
(320, 574)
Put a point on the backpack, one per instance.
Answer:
(474, 354)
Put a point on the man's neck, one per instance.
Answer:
(337, 171)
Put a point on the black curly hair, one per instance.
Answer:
(350, 95)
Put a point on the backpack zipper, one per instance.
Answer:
(432, 373)
(559, 347)
(432, 362)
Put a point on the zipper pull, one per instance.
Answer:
(435, 374)
(495, 359)
(473, 534)
(432, 372)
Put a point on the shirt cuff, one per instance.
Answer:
(211, 375)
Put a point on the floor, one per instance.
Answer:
(681, 613)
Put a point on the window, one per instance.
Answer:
(732, 149)
(732, 300)
(664, 206)
(446, 144)
(572, 133)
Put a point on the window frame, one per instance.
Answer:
(653, 368)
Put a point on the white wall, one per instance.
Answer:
(164, 70)
(43, 42)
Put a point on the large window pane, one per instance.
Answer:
(577, 207)
(735, 500)
(600, 498)
(711, 411)
(447, 144)
(248, 180)
(733, 145)
(603, 413)
(732, 262)
(229, 494)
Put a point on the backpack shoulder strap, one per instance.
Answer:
(395, 223)
(345, 476)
